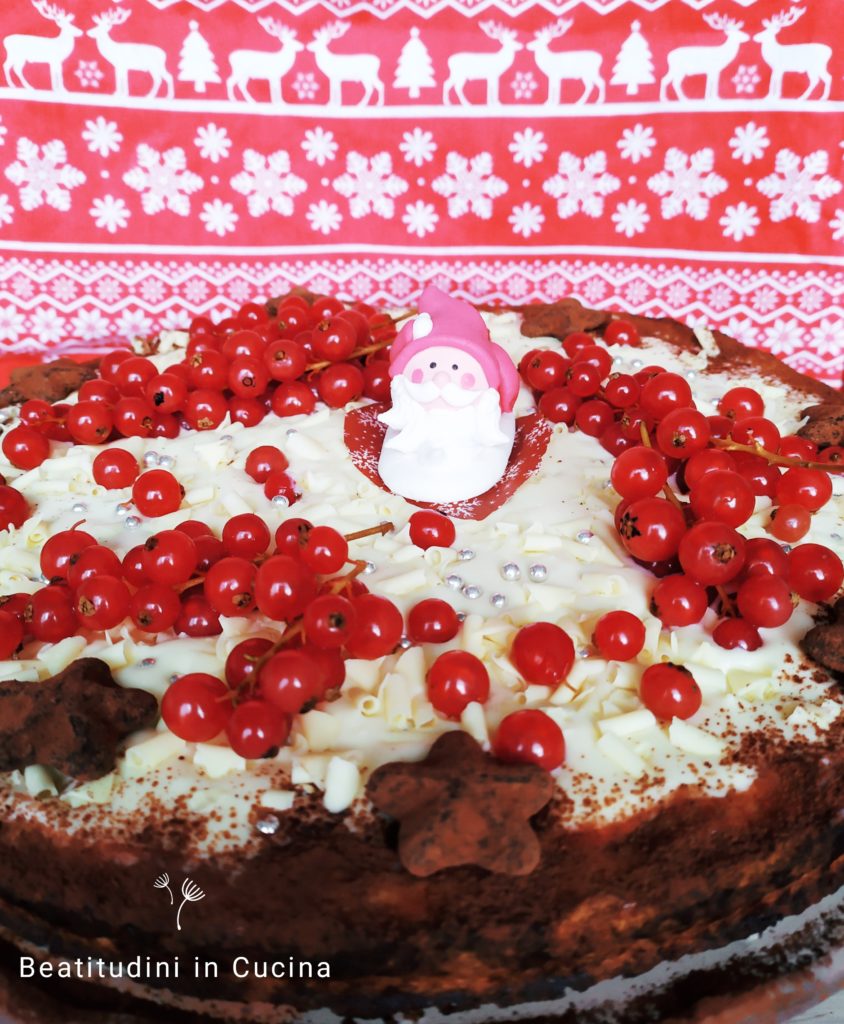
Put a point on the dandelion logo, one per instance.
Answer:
(191, 893)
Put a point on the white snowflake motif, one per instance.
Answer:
(764, 300)
(240, 290)
(797, 191)
(739, 221)
(528, 147)
(196, 292)
(746, 78)
(636, 293)
(212, 142)
(469, 185)
(305, 85)
(324, 217)
(784, 337)
(7, 211)
(11, 323)
(175, 320)
(110, 213)
(749, 142)
(162, 180)
(581, 184)
(401, 286)
(526, 220)
(720, 297)
(89, 324)
(811, 300)
(102, 136)
(837, 225)
(420, 218)
(133, 323)
(630, 218)
(22, 286)
(108, 289)
(89, 74)
(742, 330)
(556, 287)
(218, 217)
(268, 182)
(319, 146)
(3, 131)
(370, 185)
(828, 337)
(43, 175)
(516, 287)
(636, 143)
(47, 325)
(152, 290)
(64, 290)
(418, 146)
(360, 286)
(594, 289)
(524, 85)
(687, 183)
(677, 295)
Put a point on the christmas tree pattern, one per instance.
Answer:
(415, 69)
(196, 61)
(634, 64)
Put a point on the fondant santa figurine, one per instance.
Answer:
(451, 425)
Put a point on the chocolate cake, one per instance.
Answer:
(387, 860)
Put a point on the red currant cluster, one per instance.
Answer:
(278, 358)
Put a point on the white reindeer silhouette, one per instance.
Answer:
(810, 59)
(709, 61)
(50, 50)
(126, 57)
(482, 67)
(345, 67)
(581, 65)
(268, 65)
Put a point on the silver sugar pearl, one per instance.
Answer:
(280, 501)
(43, 579)
(369, 568)
(537, 572)
(584, 536)
(150, 459)
(786, 548)
(691, 375)
(465, 554)
(292, 431)
(454, 581)
(585, 652)
(472, 592)
(637, 364)
(226, 437)
(131, 522)
(122, 509)
(147, 663)
(174, 677)
(166, 461)
(617, 361)
(835, 536)
(461, 616)
(268, 826)
(511, 571)
(498, 600)
(79, 507)
(405, 642)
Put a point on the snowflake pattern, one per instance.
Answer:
(133, 323)
(687, 183)
(420, 218)
(784, 337)
(526, 219)
(524, 85)
(163, 180)
(528, 147)
(110, 213)
(739, 221)
(88, 74)
(11, 323)
(827, 337)
(43, 175)
(268, 183)
(324, 217)
(305, 85)
(418, 146)
(837, 225)
(88, 325)
(3, 132)
(636, 143)
(581, 184)
(212, 142)
(746, 78)
(319, 146)
(798, 186)
(630, 218)
(101, 136)
(749, 142)
(47, 325)
(370, 185)
(7, 211)
(469, 185)
(742, 330)
(811, 300)
(218, 217)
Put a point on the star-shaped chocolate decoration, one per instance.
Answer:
(460, 806)
(559, 319)
(826, 423)
(49, 381)
(824, 643)
(73, 722)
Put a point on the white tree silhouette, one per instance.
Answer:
(634, 64)
(196, 61)
(415, 69)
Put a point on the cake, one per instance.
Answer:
(580, 789)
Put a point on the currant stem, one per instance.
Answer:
(292, 631)
(382, 528)
(727, 605)
(340, 583)
(666, 490)
(773, 457)
(358, 352)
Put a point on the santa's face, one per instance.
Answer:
(442, 365)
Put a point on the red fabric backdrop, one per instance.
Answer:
(649, 155)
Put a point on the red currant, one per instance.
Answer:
(169, 557)
(243, 345)
(547, 369)
(94, 560)
(111, 360)
(334, 339)
(736, 633)
(741, 403)
(11, 634)
(622, 391)
(705, 462)
(682, 433)
(811, 488)
(289, 681)
(293, 399)
(329, 620)
(248, 378)
(247, 411)
(712, 553)
(765, 601)
(230, 586)
(196, 707)
(25, 447)
(256, 729)
(377, 629)
(167, 393)
(756, 430)
(815, 572)
(432, 621)
(652, 528)
(619, 636)
(60, 548)
(134, 417)
(764, 556)
(132, 375)
(593, 417)
(90, 422)
(115, 468)
(157, 493)
(292, 536)
(542, 653)
(285, 360)
(154, 608)
(455, 679)
(283, 587)
(670, 691)
(679, 600)
(429, 529)
(723, 496)
(583, 380)
(246, 535)
(14, 510)
(376, 381)
(577, 340)
(340, 384)
(264, 460)
(205, 409)
(663, 394)
(621, 332)
(790, 523)
(52, 616)
(639, 473)
(197, 617)
(325, 550)
(242, 663)
(559, 405)
(532, 737)
(102, 602)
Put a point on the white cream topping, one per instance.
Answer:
(557, 529)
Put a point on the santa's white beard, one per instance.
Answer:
(470, 419)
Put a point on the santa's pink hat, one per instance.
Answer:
(460, 325)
